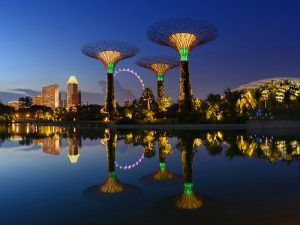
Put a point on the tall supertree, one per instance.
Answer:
(110, 53)
(182, 34)
(160, 65)
(188, 200)
(164, 149)
(111, 184)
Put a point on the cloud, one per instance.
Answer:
(23, 91)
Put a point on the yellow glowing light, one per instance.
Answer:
(73, 158)
(72, 80)
(109, 56)
(163, 174)
(189, 202)
(197, 143)
(183, 40)
(160, 68)
(111, 186)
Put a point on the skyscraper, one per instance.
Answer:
(73, 94)
(38, 100)
(51, 96)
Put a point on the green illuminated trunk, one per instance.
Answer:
(160, 90)
(110, 96)
(185, 95)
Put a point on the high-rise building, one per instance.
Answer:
(74, 145)
(38, 100)
(73, 94)
(51, 96)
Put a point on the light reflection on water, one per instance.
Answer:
(58, 175)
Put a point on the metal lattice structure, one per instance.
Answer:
(160, 65)
(109, 53)
(183, 34)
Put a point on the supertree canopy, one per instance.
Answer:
(109, 53)
(160, 65)
(182, 34)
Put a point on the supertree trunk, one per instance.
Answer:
(110, 96)
(188, 200)
(187, 154)
(160, 90)
(111, 151)
(185, 95)
(163, 173)
(111, 184)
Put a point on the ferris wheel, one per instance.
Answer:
(135, 74)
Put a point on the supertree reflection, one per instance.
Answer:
(188, 200)
(111, 184)
(164, 149)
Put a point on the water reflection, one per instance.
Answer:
(188, 199)
(111, 184)
(52, 140)
(74, 145)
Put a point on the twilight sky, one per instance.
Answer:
(40, 41)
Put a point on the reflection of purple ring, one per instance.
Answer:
(131, 166)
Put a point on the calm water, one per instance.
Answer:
(53, 175)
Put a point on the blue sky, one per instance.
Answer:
(40, 41)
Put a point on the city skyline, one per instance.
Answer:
(250, 45)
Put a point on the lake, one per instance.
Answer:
(72, 175)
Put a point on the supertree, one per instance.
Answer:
(160, 65)
(182, 34)
(164, 149)
(111, 184)
(109, 53)
(188, 200)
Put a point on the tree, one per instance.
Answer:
(145, 104)
(214, 111)
(164, 104)
(27, 101)
(229, 102)
(246, 102)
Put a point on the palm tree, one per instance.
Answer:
(246, 101)
(229, 102)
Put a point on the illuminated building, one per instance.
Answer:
(110, 53)
(260, 83)
(73, 94)
(74, 145)
(50, 145)
(51, 96)
(16, 104)
(38, 100)
(183, 35)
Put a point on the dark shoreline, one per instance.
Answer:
(249, 125)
